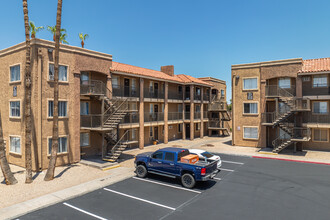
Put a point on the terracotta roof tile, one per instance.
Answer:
(315, 65)
(126, 68)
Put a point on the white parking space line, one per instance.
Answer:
(226, 161)
(163, 184)
(143, 200)
(227, 170)
(83, 211)
(216, 178)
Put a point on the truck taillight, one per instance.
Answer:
(203, 171)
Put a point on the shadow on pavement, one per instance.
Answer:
(63, 171)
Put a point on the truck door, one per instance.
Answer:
(156, 161)
(169, 165)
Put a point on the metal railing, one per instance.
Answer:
(125, 91)
(173, 94)
(206, 97)
(216, 106)
(187, 96)
(316, 90)
(91, 121)
(316, 118)
(205, 115)
(187, 115)
(301, 133)
(149, 117)
(214, 123)
(93, 87)
(175, 116)
(197, 96)
(276, 91)
(132, 117)
(299, 104)
(153, 93)
(197, 115)
(284, 138)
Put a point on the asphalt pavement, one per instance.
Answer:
(246, 188)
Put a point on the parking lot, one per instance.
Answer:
(246, 188)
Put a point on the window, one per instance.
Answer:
(151, 108)
(84, 139)
(284, 83)
(251, 83)
(15, 144)
(15, 73)
(250, 132)
(62, 108)
(250, 108)
(306, 78)
(151, 131)
(179, 128)
(15, 109)
(320, 107)
(84, 108)
(84, 78)
(62, 145)
(158, 155)
(180, 89)
(115, 81)
(320, 81)
(134, 85)
(222, 93)
(169, 156)
(320, 135)
(198, 91)
(62, 72)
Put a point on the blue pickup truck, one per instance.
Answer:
(166, 162)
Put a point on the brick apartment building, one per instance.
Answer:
(282, 104)
(104, 106)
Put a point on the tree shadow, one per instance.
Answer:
(228, 142)
(66, 169)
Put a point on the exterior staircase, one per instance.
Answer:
(121, 145)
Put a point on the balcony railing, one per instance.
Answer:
(173, 94)
(214, 123)
(268, 117)
(206, 97)
(301, 133)
(197, 115)
(276, 91)
(175, 116)
(93, 87)
(300, 104)
(197, 96)
(316, 90)
(125, 91)
(150, 117)
(316, 118)
(91, 121)
(131, 118)
(217, 106)
(187, 96)
(205, 115)
(187, 115)
(154, 94)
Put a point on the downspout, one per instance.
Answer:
(40, 107)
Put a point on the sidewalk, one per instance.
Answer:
(72, 180)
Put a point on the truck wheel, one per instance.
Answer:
(188, 180)
(141, 171)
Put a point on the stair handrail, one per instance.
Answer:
(114, 147)
(279, 140)
(116, 110)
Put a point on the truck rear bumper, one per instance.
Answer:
(210, 176)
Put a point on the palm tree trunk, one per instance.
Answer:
(9, 177)
(27, 109)
(52, 161)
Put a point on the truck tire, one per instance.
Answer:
(188, 180)
(141, 171)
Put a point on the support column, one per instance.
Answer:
(39, 126)
(109, 85)
(192, 110)
(183, 114)
(141, 115)
(202, 114)
(166, 114)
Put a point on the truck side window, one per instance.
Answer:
(158, 155)
(169, 156)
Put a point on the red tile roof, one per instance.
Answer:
(126, 68)
(315, 65)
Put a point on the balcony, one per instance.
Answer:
(197, 96)
(276, 91)
(217, 106)
(172, 94)
(301, 134)
(214, 124)
(153, 93)
(125, 91)
(91, 121)
(131, 118)
(175, 116)
(316, 90)
(205, 115)
(93, 87)
(316, 118)
(187, 116)
(150, 117)
(206, 97)
(197, 115)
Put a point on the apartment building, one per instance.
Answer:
(104, 106)
(282, 104)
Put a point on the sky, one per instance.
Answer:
(200, 38)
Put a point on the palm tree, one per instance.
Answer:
(27, 109)
(9, 177)
(52, 162)
(33, 29)
(63, 35)
(83, 37)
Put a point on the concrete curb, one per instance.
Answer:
(291, 160)
(23, 208)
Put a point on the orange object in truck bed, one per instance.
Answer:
(191, 158)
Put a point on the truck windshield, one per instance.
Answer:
(207, 154)
(182, 154)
